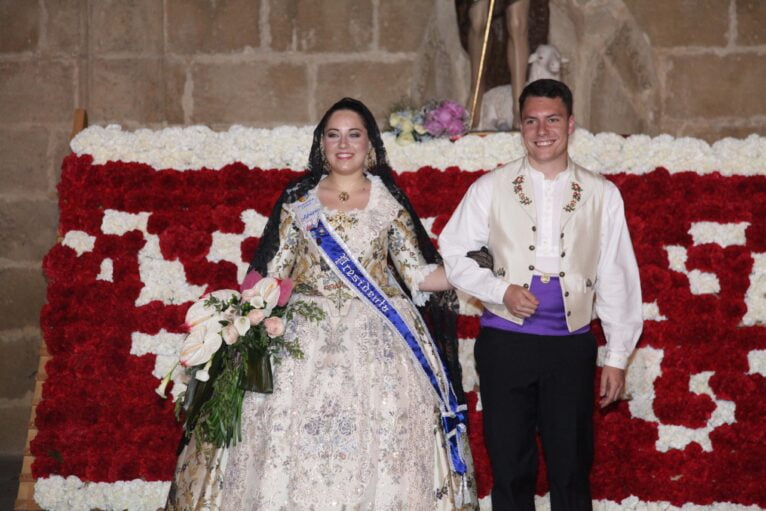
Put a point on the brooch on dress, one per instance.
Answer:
(518, 189)
(576, 196)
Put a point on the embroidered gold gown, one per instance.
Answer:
(354, 425)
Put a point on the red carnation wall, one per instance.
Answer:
(101, 420)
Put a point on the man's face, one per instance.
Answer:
(545, 130)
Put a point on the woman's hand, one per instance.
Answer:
(435, 281)
(482, 257)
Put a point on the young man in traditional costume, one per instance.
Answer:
(561, 254)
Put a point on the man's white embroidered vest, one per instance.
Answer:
(513, 230)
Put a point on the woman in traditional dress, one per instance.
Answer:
(368, 419)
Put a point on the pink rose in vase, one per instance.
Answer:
(255, 316)
(274, 326)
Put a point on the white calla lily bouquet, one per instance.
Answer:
(233, 339)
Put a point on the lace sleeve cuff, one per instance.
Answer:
(416, 276)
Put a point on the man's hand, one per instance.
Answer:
(520, 301)
(612, 383)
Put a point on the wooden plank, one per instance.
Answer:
(31, 434)
(25, 497)
(32, 417)
(42, 375)
(23, 505)
(27, 478)
(79, 122)
(38, 395)
(26, 505)
(26, 465)
(26, 491)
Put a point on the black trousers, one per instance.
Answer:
(538, 383)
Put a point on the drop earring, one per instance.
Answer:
(370, 161)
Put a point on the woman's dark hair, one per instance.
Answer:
(441, 310)
(269, 243)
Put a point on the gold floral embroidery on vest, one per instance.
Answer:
(576, 196)
(518, 189)
(343, 221)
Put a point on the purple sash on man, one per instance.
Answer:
(548, 319)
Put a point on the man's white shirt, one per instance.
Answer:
(618, 291)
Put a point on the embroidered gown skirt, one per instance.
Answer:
(354, 425)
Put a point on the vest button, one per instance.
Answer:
(534, 228)
(531, 267)
(561, 274)
(531, 247)
(566, 293)
(526, 286)
(563, 254)
(562, 235)
(569, 313)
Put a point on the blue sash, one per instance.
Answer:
(334, 251)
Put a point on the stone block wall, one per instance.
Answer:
(678, 66)
(688, 68)
(711, 74)
(153, 63)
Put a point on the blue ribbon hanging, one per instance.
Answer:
(453, 415)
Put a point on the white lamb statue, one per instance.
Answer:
(497, 103)
(545, 62)
(497, 109)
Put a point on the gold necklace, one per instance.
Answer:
(344, 196)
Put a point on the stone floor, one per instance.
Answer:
(10, 466)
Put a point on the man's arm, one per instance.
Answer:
(467, 230)
(618, 296)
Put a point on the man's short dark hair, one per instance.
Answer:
(547, 88)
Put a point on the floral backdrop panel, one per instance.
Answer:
(152, 220)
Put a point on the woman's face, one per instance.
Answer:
(346, 143)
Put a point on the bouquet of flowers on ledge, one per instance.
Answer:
(233, 338)
(435, 119)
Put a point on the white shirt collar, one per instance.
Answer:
(539, 177)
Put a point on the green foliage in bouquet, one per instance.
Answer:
(232, 343)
